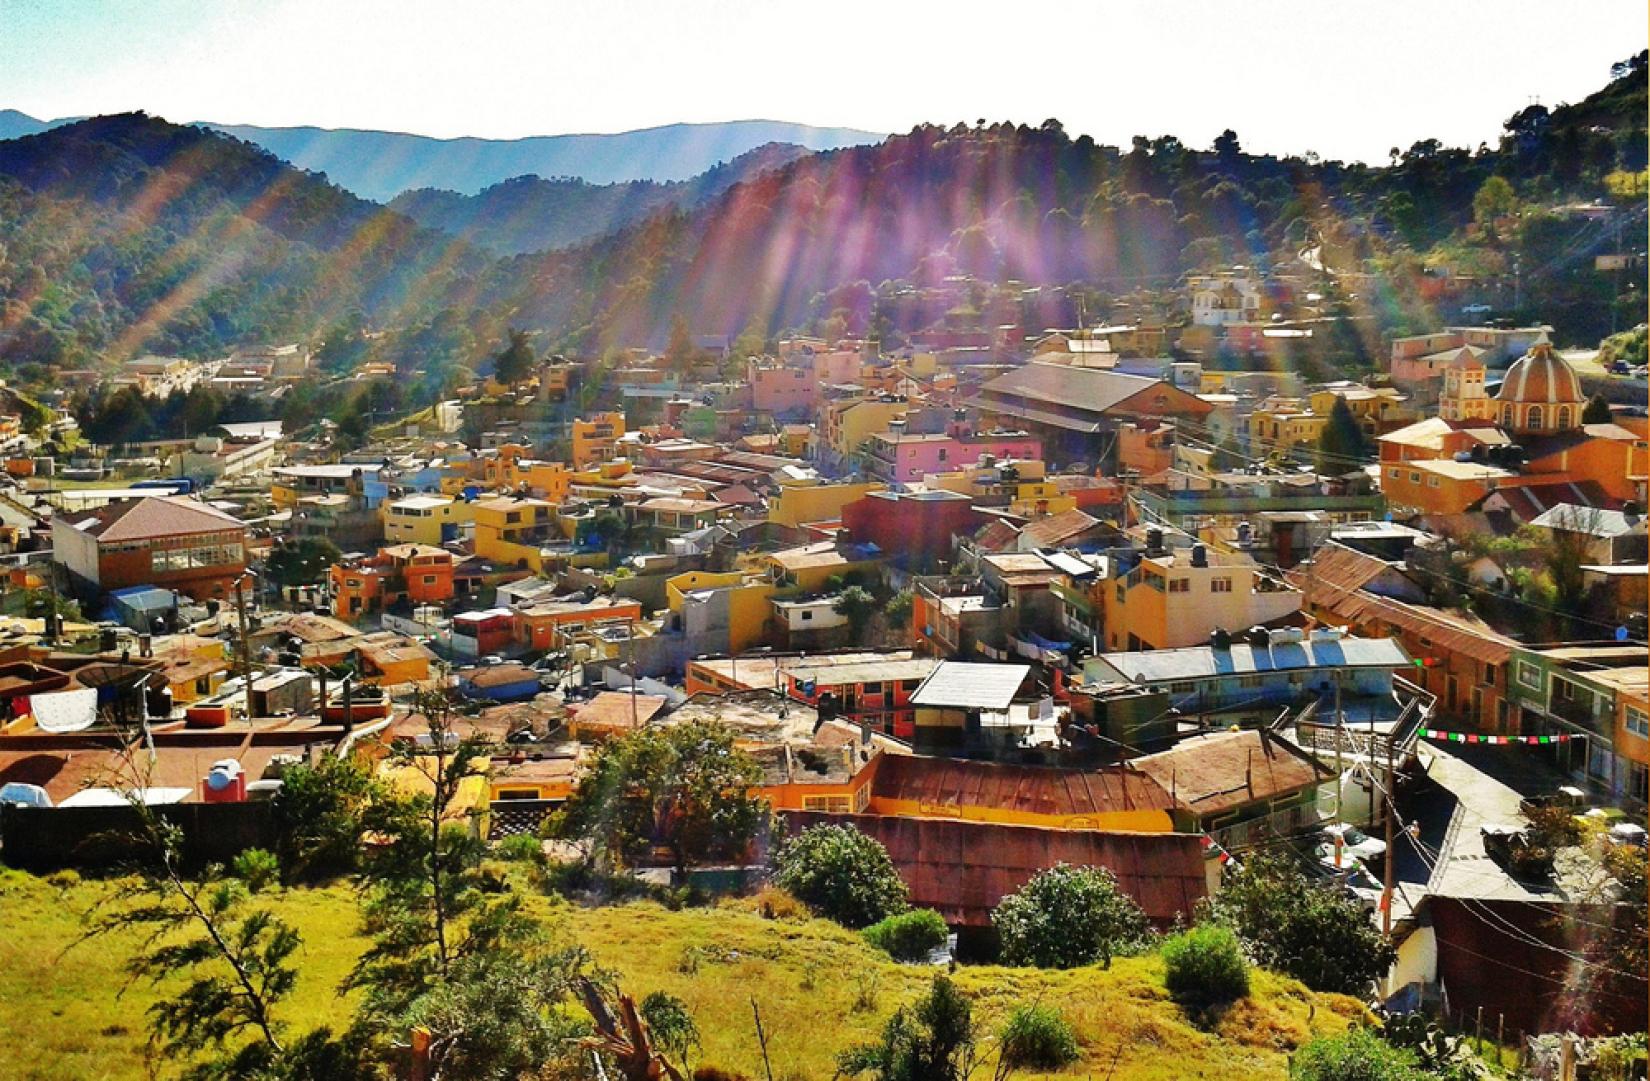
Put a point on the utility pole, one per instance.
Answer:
(246, 644)
(1391, 822)
(630, 643)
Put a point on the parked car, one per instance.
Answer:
(1566, 796)
(1353, 879)
(1355, 843)
(1513, 848)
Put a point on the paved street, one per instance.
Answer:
(1463, 789)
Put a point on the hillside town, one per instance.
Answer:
(1001, 601)
(511, 572)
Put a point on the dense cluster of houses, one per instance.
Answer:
(1083, 599)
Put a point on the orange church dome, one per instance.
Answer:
(1541, 377)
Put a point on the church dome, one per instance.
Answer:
(1541, 377)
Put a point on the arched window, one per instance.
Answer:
(1561, 419)
(1533, 420)
(1507, 416)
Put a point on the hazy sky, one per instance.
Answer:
(1347, 78)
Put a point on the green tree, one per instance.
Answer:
(841, 874)
(670, 1025)
(1356, 1055)
(514, 363)
(236, 963)
(898, 610)
(1068, 916)
(856, 604)
(931, 1041)
(434, 920)
(679, 350)
(685, 787)
(1597, 411)
(319, 815)
(1495, 199)
(1302, 928)
(1341, 444)
(303, 561)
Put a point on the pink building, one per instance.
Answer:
(781, 390)
(905, 458)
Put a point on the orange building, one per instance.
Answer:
(411, 572)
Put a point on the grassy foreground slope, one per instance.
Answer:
(820, 988)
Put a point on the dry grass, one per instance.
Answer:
(819, 986)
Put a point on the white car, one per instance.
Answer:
(1355, 843)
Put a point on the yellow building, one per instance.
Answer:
(849, 422)
(424, 519)
(596, 440)
(511, 468)
(1376, 408)
(810, 567)
(747, 596)
(1280, 424)
(513, 531)
(799, 502)
(1181, 597)
(1022, 487)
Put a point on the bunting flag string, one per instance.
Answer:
(1496, 741)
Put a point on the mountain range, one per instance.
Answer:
(379, 165)
(530, 213)
(126, 233)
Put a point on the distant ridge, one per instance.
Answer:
(379, 165)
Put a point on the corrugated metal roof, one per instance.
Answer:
(960, 783)
(962, 869)
(965, 685)
(1215, 773)
(1206, 662)
(1334, 584)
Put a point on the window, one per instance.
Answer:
(1180, 585)
(1561, 418)
(1534, 417)
(429, 579)
(1182, 688)
(1638, 722)
(1220, 585)
(806, 615)
(831, 804)
(1394, 473)
(1414, 476)
(1529, 675)
(1432, 482)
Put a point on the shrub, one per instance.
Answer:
(521, 848)
(909, 936)
(1355, 1055)
(932, 1040)
(258, 868)
(1037, 1038)
(1205, 966)
(773, 903)
(841, 874)
(1068, 916)
(1302, 928)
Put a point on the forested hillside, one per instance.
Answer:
(531, 213)
(126, 234)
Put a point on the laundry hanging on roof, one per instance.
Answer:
(64, 711)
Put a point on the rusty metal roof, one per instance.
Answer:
(1218, 772)
(1335, 583)
(1044, 790)
(962, 869)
